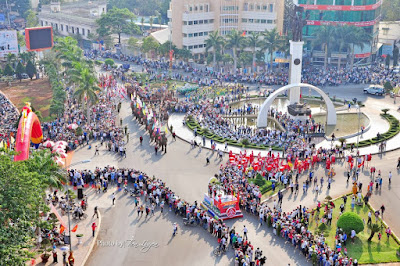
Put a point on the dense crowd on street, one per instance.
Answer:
(313, 75)
(9, 119)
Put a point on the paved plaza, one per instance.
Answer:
(185, 171)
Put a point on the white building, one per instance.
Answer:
(73, 18)
(389, 32)
(191, 21)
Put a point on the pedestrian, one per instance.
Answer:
(113, 198)
(55, 256)
(207, 161)
(96, 150)
(244, 232)
(174, 136)
(94, 228)
(369, 218)
(141, 140)
(382, 210)
(71, 258)
(65, 263)
(390, 177)
(388, 232)
(95, 212)
(155, 149)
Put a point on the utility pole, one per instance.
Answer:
(8, 14)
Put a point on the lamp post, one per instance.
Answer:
(69, 221)
(358, 131)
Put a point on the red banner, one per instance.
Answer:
(335, 23)
(342, 8)
(362, 55)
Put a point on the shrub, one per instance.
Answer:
(385, 111)
(109, 62)
(245, 142)
(349, 221)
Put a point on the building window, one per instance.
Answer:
(257, 21)
(196, 46)
(244, 20)
(195, 22)
(201, 21)
(41, 23)
(245, 6)
(185, 23)
(251, 20)
(206, 9)
(56, 26)
(66, 28)
(190, 23)
(77, 30)
(184, 35)
(61, 27)
(195, 34)
(73, 30)
(190, 35)
(88, 32)
(251, 7)
(271, 8)
(263, 21)
(210, 21)
(190, 8)
(190, 47)
(269, 21)
(258, 7)
(46, 23)
(265, 8)
(206, 33)
(200, 34)
(83, 31)
(201, 8)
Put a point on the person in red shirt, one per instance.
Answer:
(94, 228)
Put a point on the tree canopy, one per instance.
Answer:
(117, 21)
(349, 221)
(22, 192)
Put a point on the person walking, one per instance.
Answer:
(94, 228)
(175, 228)
(96, 151)
(155, 149)
(113, 198)
(390, 177)
(141, 140)
(55, 256)
(95, 212)
(245, 232)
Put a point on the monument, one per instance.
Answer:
(295, 108)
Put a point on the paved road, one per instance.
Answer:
(185, 172)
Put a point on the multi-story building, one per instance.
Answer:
(359, 13)
(72, 18)
(192, 20)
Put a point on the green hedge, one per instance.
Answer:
(394, 129)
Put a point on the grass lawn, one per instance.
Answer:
(37, 92)
(365, 252)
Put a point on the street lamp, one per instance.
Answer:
(358, 130)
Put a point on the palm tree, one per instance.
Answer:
(86, 91)
(254, 42)
(324, 36)
(151, 23)
(341, 36)
(374, 229)
(272, 42)
(235, 41)
(142, 23)
(214, 42)
(359, 37)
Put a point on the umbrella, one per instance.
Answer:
(63, 155)
(64, 248)
(48, 144)
(59, 161)
(72, 126)
(62, 143)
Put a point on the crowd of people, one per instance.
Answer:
(9, 119)
(314, 75)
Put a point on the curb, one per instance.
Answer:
(93, 242)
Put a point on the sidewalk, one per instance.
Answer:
(81, 252)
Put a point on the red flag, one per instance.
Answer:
(74, 229)
(244, 33)
(62, 228)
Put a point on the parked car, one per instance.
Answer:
(375, 90)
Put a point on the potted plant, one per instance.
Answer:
(45, 256)
(79, 236)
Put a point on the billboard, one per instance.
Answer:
(8, 42)
(38, 39)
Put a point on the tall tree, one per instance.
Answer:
(31, 19)
(395, 55)
(8, 70)
(150, 45)
(117, 21)
(359, 37)
(341, 35)
(235, 41)
(19, 70)
(272, 41)
(30, 69)
(324, 37)
(214, 42)
(253, 40)
(151, 21)
(86, 91)
(391, 10)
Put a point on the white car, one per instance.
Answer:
(375, 90)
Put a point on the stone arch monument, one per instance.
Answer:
(263, 113)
